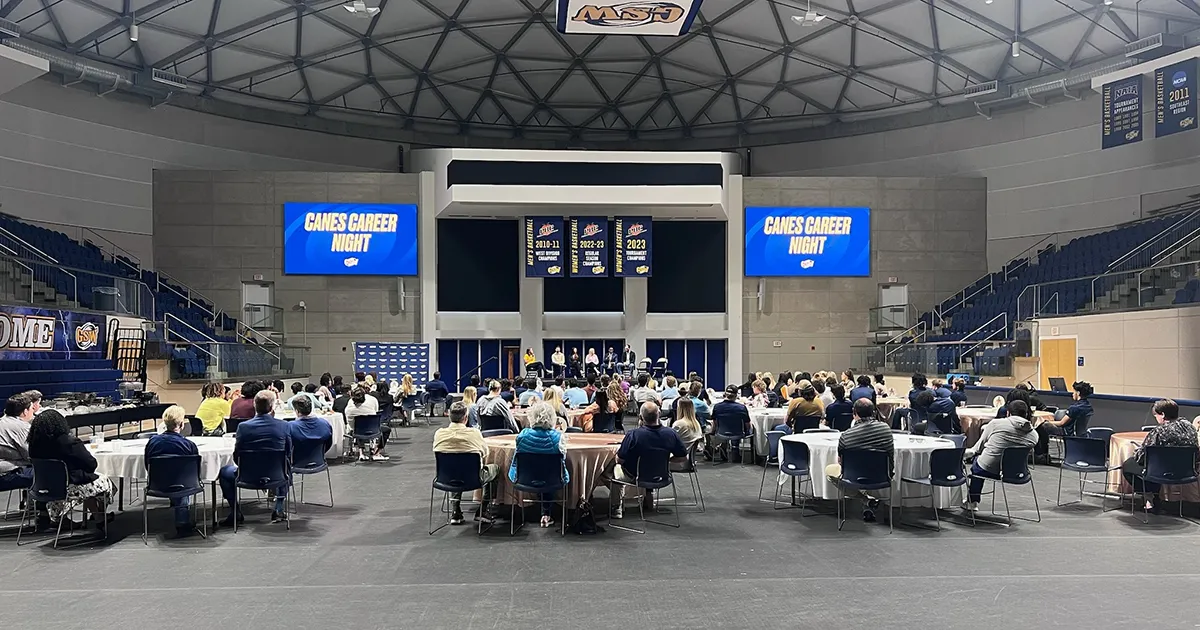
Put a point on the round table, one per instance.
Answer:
(335, 419)
(523, 419)
(911, 460)
(765, 419)
(1121, 446)
(886, 405)
(126, 459)
(972, 419)
(588, 455)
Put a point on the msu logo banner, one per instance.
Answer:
(629, 17)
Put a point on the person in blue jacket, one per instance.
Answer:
(540, 437)
(171, 442)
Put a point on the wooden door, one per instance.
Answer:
(1058, 357)
(511, 367)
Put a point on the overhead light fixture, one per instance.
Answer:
(810, 17)
(360, 9)
(1108, 3)
(988, 1)
(133, 32)
(1016, 49)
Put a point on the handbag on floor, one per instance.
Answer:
(585, 520)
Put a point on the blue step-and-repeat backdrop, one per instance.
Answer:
(391, 361)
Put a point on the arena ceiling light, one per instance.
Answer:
(810, 17)
(360, 9)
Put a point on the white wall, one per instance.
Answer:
(1045, 169)
(1138, 353)
(68, 157)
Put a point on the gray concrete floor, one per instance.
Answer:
(369, 563)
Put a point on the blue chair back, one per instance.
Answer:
(937, 424)
(1168, 465)
(173, 476)
(1079, 427)
(960, 440)
(492, 422)
(50, 480)
(495, 432)
(308, 456)
(946, 467)
(773, 445)
(731, 427)
(1014, 465)
(604, 422)
(1085, 452)
(783, 427)
(806, 422)
(841, 419)
(367, 427)
(457, 472)
(263, 470)
(654, 469)
(865, 469)
(795, 458)
(408, 403)
(539, 472)
(1100, 433)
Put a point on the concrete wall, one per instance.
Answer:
(1137, 353)
(1045, 170)
(927, 232)
(70, 158)
(214, 229)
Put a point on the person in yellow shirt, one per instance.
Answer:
(459, 438)
(529, 356)
(214, 409)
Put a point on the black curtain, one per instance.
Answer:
(689, 261)
(478, 263)
(595, 295)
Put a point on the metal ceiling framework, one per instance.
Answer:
(498, 68)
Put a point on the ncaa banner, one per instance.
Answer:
(808, 242)
(329, 239)
(391, 361)
(544, 247)
(634, 240)
(608, 17)
(1174, 103)
(1121, 120)
(39, 333)
(589, 247)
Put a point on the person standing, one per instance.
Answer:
(459, 438)
(169, 443)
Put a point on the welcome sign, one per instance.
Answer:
(30, 333)
(589, 247)
(808, 242)
(1175, 98)
(647, 17)
(350, 239)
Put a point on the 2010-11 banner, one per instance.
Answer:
(544, 247)
(633, 242)
(589, 247)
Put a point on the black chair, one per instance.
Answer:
(231, 424)
(795, 461)
(938, 424)
(50, 481)
(492, 422)
(408, 405)
(1165, 466)
(173, 477)
(945, 471)
(653, 473)
(959, 440)
(1149, 427)
(729, 430)
(805, 422)
(574, 430)
(495, 432)
(195, 425)
(772, 458)
(454, 472)
(264, 470)
(539, 473)
(605, 422)
(367, 429)
(1102, 433)
(688, 467)
(841, 420)
(864, 470)
(1014, 470)
(308, 458)
(1083, 455)
(431, 403)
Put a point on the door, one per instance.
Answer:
(1057, 358)
(511, 358)
(256, 297)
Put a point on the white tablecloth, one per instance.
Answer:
(335, 419)
(127, 458)
(765, 420)
(912, 461)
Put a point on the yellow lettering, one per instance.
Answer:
(592, 13)
(350, 243)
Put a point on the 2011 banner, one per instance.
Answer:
(808, 242)
(589, 247)
(1174, 103)
(1121, 120)
(544, 247)
(634, 242)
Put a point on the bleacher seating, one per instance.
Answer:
(93, 374)
(1189, 294)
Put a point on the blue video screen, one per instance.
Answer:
(349, 239)
(808, 242)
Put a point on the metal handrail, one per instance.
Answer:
(1057, 304)
(13, 255)
(118, 251)
(48, 258)
(1004, 328)
(162, 275)
(258, 344)
(167, 317)
(1112, 267)
(1176, 247)
(99, 274)
(919, 334)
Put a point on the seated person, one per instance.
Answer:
(644, 393)
(1013, 431)
(50, 437)
(939, 388)
(459, 438)
(493, 405)
(541, 437)
(805, 412)
(942, 412)
(918, 413)
(363, 404)
(697, 395)
(1080, 412)
(468, 400)
(601, 403)
(730, 413)
(840, 414)
(919, 384)
(477, 383)
(436, 389)
(558, 361)
(16, 470)
(506, 391)
(171, 442)
(686, 424)
(959, 393)
(341, 399)
(759, 398)
(298, 391)
(213, 409)
(1171, 431)
(881, 388)
(670, 388)
(530, 395)
(867, 434)
(576, 396)
(310, 428)
(560, 410)
(747, 389)
(864, 390)
(261, 433)
(650, 435)
(590, 388)
(243, 407)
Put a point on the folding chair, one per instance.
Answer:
(772, 458)
(1014, 470)
(945, 471)
(864, 470)
(795, 461)
(308, 458)
(1083, 455)
(455, 472)
(173, 477)
(653, 473)
(1166, 466)
(539, 473)
(50, 481)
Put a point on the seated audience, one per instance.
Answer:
(214, 409)
(698, 397)
(840, 413)
(867, 434)
(560, 409)
(644, 393)
(806, 411)
(881, 388)
(309, 428)
(729, 412)
(342, 400)
(576, 396)
(939, 388)
(747, 389)
(493, 405)
(383, 395)
(919, 384)
(759, 399)
(823, 392)
(1012, 431)
(530, 395)
(459, 438)
(785, 384)
(959, 393)
(686, 424)
(670, 388)
(436, 388)
(298, 392)
(601, 403)
(468, 400)
(506, 391)
(590, 388)
(541, 438)
(261, 433)
(1171, 431)
(172, 442)
(243, 408)
(50, 437)
(325, 391)
(918, 413)
(942, 412)
(16, 470)
(363, 404)
(1079, 412)
(648, 437)
(477, 383)
(559, 386)
(864, 390)
(847, 379)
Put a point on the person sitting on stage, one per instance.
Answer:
(460, 438)
(591, 363)
(864, 390)
(1012, 431)
(867, 434)
(576, 396)
(530, 357)
(1171, 431)
(575, 364)
(610, 361)
(558, 361)
(638, 443)
(493, 405)
(213, 409)
(541, 438)
(1079, 411)
(172, 442)
(531, 393)
(261, 433)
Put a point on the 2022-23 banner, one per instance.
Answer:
(590, 245)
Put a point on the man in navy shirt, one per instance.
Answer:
(840, 413)
(864, 390)
(261, 433)
(919, 384)
(436, 388)
(959, 393)
(728, 415)
(1073, 422)
(939, 388)
(168, 443)
(651, 435)
(309, 428)
(948, 421)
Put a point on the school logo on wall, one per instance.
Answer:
(646, 17)
(87, 336)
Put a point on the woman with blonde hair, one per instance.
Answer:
(617, 397)
(469, 396)
(686, 424)
(560, 409)
(407, 388)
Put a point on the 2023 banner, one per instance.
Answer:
(808, 241)
(544, 247)
(633, 247)
(589, 247)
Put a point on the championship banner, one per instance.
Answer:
(1121, 120)
(1174, 103)
(589, 247)
(36, 333)
(633, 247)
(608, 17)
(544, 247)
(391, 361)
(329, 239)
(808, 242)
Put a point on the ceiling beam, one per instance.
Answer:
(1003, 32)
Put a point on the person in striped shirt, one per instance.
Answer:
(867, 434)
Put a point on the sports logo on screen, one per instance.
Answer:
(1179, 79)
(629, 14)
(87, 336)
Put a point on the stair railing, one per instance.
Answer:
(25, 250)
(119, 254)
(1002, 330)
(1143, 255)
(4, 249)
(918, 331)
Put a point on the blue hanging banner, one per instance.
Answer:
(634, 244)
(589, 247)
(1121, 120)
(1174, 103)
(544, 247)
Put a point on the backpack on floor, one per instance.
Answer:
(585, 521)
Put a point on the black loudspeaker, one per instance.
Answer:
(400, 158)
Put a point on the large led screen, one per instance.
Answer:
(808, 242)
(349, 239)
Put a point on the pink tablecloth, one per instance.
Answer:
(588, 454)
(522, 416)
(1121, 447)
(972, 419)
